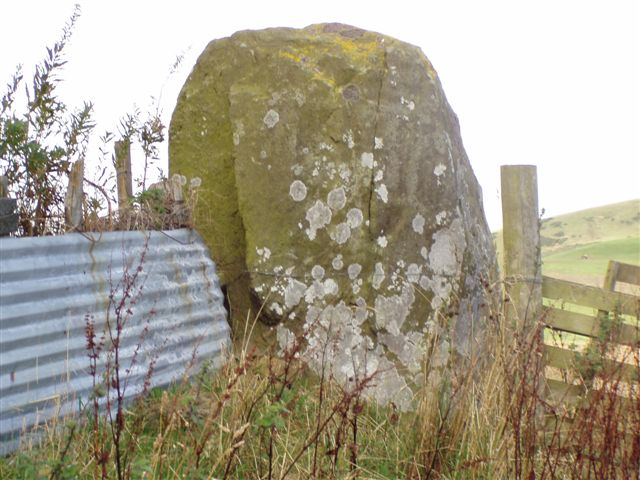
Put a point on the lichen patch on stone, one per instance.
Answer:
(298, 190)
(439, 169)
(378, 276)
(347, 138)
(367, 159)
(337, 198)
(354, 217)
(341, 233)
(418, 224)
(382, 192)
(263, 254)
(445, 255)
(391, 312)
(293, 293)
(354, 270)
(317, 272)
(271, 118)
(318, 216)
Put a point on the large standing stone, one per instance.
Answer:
(334, 174)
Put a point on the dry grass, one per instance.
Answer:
(270, 417)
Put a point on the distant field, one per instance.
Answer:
(578, 246)
(593, 258)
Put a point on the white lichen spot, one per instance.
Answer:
(367, 159)
(382, 241)
(330, 287)
(410, 104)
(441, 217)
(326, 147)
(318, 216)
(315, 172)
(297, 169)
(276, 308)
(271, 118)
(298, 191)
(299, 97)
(293, 293)
(354, 270)
(348, 139)
(361, 312)
(263, 253)
(316, 290)
(317, 272)
(382, 192)
(337, 198)
(424, 252)
(238, 132)
(378, 143)
(379, 176)
(439, 169)
(341, 233)
(413, 273)
(355, 217)
(441, 288)
(392, 312)
(345, 173)
(286, 338)
(378, 276)
(418, 224)
(445, 256)
(337, 262)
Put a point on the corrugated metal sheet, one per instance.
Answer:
(50, 286)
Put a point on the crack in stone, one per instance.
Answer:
(373, 143)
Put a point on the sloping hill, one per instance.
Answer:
(578, 246)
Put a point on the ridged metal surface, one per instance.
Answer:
(51, 286)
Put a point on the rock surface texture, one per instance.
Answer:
(337, 193)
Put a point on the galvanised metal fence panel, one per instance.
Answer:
(52, 288)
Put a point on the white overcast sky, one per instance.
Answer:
(554, 83)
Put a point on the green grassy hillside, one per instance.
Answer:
(578, 246)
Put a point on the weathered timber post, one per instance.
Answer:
(8, 215)
(4, 187)
(74, 199)
(523, 290)
(521, 239)
(124, 182)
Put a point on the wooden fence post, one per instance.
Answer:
(74, 199)
(124, 182)
(521, 239)
(8, 214)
